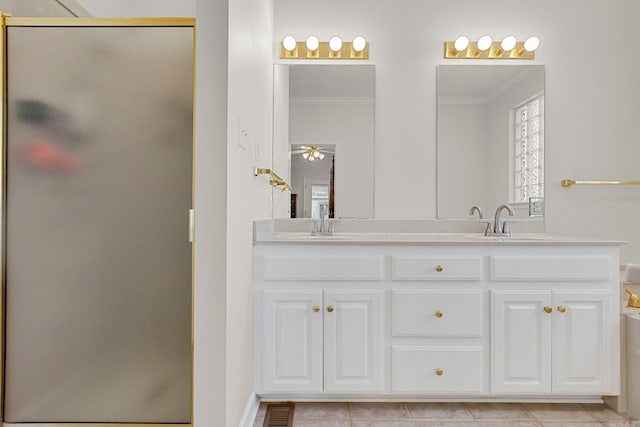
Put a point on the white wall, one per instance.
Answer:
(591, 97)
(210, 377)
(250, 108)
(139, 8)
(462, 132)
(281, 148)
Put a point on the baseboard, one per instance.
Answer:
(250, 410)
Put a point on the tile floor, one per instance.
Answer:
(452, 415)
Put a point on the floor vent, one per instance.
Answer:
(279, 415)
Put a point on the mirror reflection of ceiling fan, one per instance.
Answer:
(312, 152)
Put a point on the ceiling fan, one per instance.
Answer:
(312, 152)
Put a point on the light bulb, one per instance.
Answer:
(316, 154)
(531, 43)
(312, 43)
(305, 155)
(335, 44)
(321, 156)
(359, 43)
(289, 43)
(311, 158)
(461, 43)
(508, 43)
(484, 43)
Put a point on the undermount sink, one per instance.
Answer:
(521, 237)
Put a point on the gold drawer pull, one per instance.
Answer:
(439, 372)
(316, 309)
(548, 309)
(330, 309)
(438, 314)
(562, 308)
(439, 268)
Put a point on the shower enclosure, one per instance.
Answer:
(97, 263)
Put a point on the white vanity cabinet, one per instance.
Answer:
(554, 328)
(537, 333)
(315, 341)
(464, 319)
(317, 337)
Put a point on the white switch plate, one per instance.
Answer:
(243, 136)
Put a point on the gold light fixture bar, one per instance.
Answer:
(493, 52)
(323, 52)
(570, 182)
(274, 178)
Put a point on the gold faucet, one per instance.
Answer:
(634, 301)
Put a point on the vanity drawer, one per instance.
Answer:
(322, 268)
(462, 268)
(436, 369)
(541, 268)
(436, 312)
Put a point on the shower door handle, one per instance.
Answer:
(192, 225)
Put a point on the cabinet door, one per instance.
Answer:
(583, 345)
(292, 340)
(521, 342)
(353, 341)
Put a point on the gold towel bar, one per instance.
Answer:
(570, 182)
(274, 178)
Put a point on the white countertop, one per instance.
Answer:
(428, 238)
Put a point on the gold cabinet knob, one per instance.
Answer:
(548, 309)
(439, 268)
(439, 372)
(330, 309)
(438, 314)
(316, 309)
(562, 308)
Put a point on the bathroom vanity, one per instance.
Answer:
(435, 316)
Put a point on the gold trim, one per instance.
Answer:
(99, 22)
(3, 65)
(274, 178)
(494, 52)
(570, 182)
(323, 52)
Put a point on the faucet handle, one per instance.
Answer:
(332, 228)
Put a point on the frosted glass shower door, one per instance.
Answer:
(98, 189)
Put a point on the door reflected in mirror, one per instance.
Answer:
(324, 138)
(490, 139)
(312, 180)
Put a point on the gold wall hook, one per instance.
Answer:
(634, 300)
(274, 178)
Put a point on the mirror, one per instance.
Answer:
(490, 144)
(324, 139)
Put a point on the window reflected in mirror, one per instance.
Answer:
(490, 139)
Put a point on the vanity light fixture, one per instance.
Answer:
(484, 43)
(289, 43)
(313, 48)
(486, 48)
(461, 43)
(335, 44)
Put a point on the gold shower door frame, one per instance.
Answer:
(9, 21)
